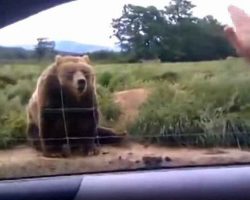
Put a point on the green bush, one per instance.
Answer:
(205, 114)
(105, 78)
(109, 109)
(5, 80)
(23, 89)
(172, 77)
(12, 122)
(123, 81)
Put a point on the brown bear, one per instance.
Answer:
(63, 113)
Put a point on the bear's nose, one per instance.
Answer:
(81, 82)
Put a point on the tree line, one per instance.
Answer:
(170, 34)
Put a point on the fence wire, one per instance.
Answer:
(73, 110)
(179, 138)
(131, 136)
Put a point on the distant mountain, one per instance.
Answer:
(27, 46)
(75, 47)
(71, 47)
(8, 53)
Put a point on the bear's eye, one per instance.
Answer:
(70, 73)
(86, 74)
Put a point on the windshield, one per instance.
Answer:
(113, 85)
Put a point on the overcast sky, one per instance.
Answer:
(89, 21)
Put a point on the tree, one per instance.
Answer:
(139, 30)
(179, 10)
(43, 47)
(173, 34)
(179, 17)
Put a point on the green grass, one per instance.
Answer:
(195, 104)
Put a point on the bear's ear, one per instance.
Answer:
(86, 59)
(58, 59)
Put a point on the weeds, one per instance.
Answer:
(194, 104)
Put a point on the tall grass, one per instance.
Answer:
(199, 104)
(209, 108)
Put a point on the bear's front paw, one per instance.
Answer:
(95, 151)
(66, 150)
(90, 150)
(53, 154)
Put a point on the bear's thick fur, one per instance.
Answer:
(64, 105)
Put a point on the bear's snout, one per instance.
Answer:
(81, 84)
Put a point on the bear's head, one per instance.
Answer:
(75, 73)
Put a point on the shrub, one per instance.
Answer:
(110, 111)
(22, 89)
(172, 77)
(201, 115)
(12, 123)
(105, 78)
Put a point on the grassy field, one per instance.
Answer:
(199, 104)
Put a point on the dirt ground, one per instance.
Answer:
(23, 161)
(130, 100)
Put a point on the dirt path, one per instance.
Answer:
(130, 101)
(23, 161)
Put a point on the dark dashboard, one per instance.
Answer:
(206, 183)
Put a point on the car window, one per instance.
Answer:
(113, 85)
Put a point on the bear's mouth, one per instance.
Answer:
(81, 89)
(81, 85)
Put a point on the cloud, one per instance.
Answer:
(90, 21)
